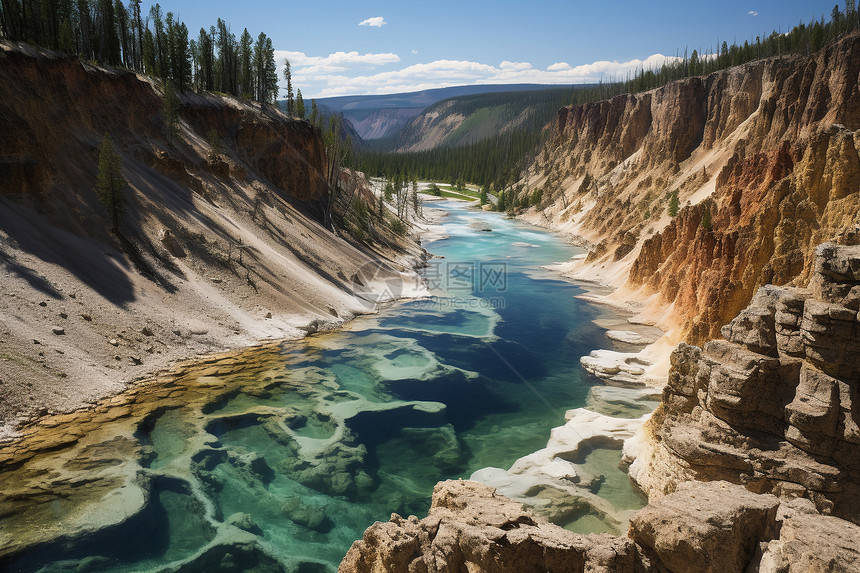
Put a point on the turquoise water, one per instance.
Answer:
(348, 427)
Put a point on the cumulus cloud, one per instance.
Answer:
(375, 22)
(752, 13)
(414, 52)
(441, 73)
(333, 63)
(506, 65)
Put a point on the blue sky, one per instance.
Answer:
(353, 47)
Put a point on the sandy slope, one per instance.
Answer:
(219, 248)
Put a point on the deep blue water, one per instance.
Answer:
(361, 423)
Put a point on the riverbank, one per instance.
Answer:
(67, 343)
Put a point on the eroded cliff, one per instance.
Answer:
(221, 243)
(774, 406)
(763, 159)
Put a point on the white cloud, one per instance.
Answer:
(752, 13)
(414, 52)
(506, 65)
(375, 22)
(332, 63)
(441, 73)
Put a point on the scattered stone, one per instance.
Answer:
(113, 342)
(216, 280)
(619, 368)
(136, 360)
(64, 315)
(43, 303)
(117, 357)
(198, 328)
(245, 522)
(36, 341)
(58, 330)
(87, 317)
(169, 242)
(268, 315)
(630, 337)
(146, 331)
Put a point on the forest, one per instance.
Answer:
(157, 44)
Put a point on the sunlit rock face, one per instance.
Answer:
(763, 158)
(776, 404)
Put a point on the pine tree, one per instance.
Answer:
(289, 79)
(110, 185)
(182, 57)
(271, 72)
(300, 105)
(674, 203)
(246, 70)
(170, 109)
(149, 64)
(315, 113)
(160, 48)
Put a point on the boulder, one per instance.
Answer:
(706, 528)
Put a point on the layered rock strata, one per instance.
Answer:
(775, 405)
(762, 160)
(704, 528)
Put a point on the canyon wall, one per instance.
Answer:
(220, 244)
(775, 405)
(763, 159)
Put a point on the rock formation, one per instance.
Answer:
(712, 527)
(774, 406)
(763, 159)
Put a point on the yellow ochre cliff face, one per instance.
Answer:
(764, 161)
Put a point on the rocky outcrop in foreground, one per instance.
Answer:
(706, 527)
(776, 405)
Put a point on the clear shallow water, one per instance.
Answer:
(287, 460)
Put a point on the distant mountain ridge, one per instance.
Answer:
(380, 116)
(472, 118)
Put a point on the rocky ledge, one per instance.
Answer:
(704, 527)
(776, 405)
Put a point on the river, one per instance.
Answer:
(277, 458)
